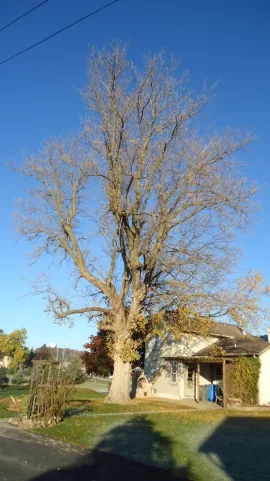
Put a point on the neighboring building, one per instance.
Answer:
(177, 369)
(5, 361)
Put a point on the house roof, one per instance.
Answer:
(240, 345)
(222, 329)
(205, 326)
(232, 340)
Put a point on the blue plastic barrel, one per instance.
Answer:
(211, 392)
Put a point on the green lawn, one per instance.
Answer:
(84, 394)
(89, 402)
(3, 410)
(192, 445)
(15, 391)
(86, 430)
(199, 446)
(5, 394)
(101, 386)
(4, 413)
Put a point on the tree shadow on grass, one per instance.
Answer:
(80, 406)
(105, 464)
(240, 447)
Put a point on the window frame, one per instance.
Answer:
(173, 374)
(190, 369)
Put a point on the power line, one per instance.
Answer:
(23, 15)
(59, 31)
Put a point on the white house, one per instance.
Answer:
(177, 369)
(5, 361)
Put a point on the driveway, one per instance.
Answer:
(25, 456)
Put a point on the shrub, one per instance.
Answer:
(4, 381)
(74, 373)
(49, 395)
(19, 378)
(27, 371)
(245, 378)
(11, 370)
(25, 405)
(3, 371)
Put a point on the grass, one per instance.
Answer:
(15, 391)
(85, 394)
(85, 401)
(4, 413)
(98, 385)
(85, 430)
(5, 395)
(196, 445)
(199, 445)
(163, 440)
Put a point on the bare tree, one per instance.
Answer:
(163, 199)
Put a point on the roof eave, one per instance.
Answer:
(264, 350)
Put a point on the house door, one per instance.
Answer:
(189, 380)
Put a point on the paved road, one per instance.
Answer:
(25, 456)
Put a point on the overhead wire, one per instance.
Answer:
(58, 32)
(23, 15)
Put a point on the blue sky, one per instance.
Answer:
(223, 41)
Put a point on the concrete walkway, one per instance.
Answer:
(132, 413)
(190, 403)
(202, 406)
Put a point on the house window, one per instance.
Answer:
(190, 373)
(173, 372)
(155, 363)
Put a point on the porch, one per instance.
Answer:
(196, 375)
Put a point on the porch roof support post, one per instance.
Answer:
(198, 382)
(224, 384)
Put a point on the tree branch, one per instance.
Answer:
(83, 310)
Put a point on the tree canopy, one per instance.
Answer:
(97, 358)
(13, 345)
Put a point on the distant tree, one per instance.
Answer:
(97, 359)
(64, 354)
(74, 372)
(43, 353)
(13, 345)
(30, 357)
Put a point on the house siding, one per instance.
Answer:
(158, 371)
(264, 379)
(164, 387)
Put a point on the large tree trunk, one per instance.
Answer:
(120, 388)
